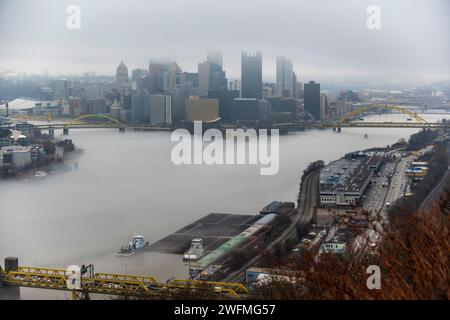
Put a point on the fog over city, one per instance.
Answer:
(325, 39)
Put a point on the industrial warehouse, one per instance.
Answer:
(343, 182)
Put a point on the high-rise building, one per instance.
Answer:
(96, 106)
(59, 89)
(77, 107)
(251, 75)
(191, 78)
(156, 71)
(200, 109)
(312, 98)
(249, 109)
(140, 108)
(235, 85)
(214, 57)
(295, 89)
(266, 92)
(225, 99)
(284, 77)
(137, 73)
(211, 77)
(203, 77)
(122, 75)
(160, 109)
(173, 77)
(323, 107)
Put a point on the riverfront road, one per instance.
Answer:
(308, 200)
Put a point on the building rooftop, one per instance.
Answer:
(350, 173)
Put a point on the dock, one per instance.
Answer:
(215, 229)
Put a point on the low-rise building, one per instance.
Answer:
(343, 182)
(337, 244)
(16, 157)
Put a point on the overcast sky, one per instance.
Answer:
(324, 38)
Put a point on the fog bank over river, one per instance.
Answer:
(125, 183)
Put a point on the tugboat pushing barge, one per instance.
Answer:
(196, 250)
(137, 243)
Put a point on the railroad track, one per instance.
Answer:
(308, 200)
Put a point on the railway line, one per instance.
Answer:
(308, 200)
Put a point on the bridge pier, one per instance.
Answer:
(121, 129)
(65, 131)
(10, 292)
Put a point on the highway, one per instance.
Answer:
(308, 200)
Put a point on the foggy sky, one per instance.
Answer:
(324, 38)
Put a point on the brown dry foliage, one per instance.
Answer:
(413, 257)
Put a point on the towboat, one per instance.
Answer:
(196, 250)
(137, 243)
(40, 174)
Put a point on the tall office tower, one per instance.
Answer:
(160, 109)
(266, 92)
(225, 99)
(214, 57)
(137, 76)
(217, 78)
(59, 89)
(156, 71)
(140, 108)
(235, 85)
(122, 75)
(295, 90)
(138, 73)
(284, 77)
(251, 75)
(323, 107)
(211, 77)
(203, 77)
(312, 98)
(191, 78)
(172, 77)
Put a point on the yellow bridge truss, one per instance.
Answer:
(348, 116)
(80, 120)
(117, 284)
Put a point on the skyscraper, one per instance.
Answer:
(173, 77)
(217, 78)
(284, 77)
(312, 98)
(251, 75)
(203, 77)
(214, 57)
(211, 77)
(156, 72)
(323, 107)
(295, 86)
(122, 75)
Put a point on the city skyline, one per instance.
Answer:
(327, 41)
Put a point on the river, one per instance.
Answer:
(125, 183)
